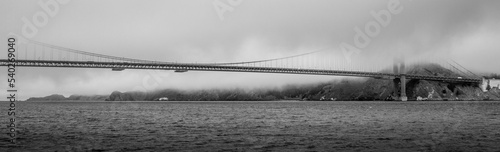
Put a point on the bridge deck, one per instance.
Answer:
(226, 68)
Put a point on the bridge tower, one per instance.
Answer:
(399, 81)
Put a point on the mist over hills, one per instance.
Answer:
(339, 90)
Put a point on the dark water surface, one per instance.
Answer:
(254, 126)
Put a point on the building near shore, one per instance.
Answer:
(492, 83)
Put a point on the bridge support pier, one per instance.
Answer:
(403, 88)
(400, 83)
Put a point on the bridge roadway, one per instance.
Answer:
(182, 67)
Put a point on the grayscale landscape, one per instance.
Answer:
(249, 75)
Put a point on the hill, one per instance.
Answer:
(375, 89)
(57, 97)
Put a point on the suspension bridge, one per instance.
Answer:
(320, 62)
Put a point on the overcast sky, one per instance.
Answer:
(194, 31)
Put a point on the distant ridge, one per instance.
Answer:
(58, 97)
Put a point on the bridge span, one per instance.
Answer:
(184, 67)
(37, 54)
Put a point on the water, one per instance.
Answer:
(255, 126)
